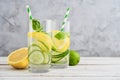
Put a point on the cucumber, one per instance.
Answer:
(47, 58)
(59, 60)
(36, 57)
(43, 46)
(59, 56)
(54, 52)
(33, 47)
(54, 60)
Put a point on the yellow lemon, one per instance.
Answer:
(60, 45)
(18, 58)
(42, 37)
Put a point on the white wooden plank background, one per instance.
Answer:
(89, 68)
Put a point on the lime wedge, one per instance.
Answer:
(36, 57)
(60, 35)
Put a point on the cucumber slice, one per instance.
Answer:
(33, 47)
(55, 53)
(47, 58)
(54, 60)
(36, 57)
(59, 60)
(60, 55)
(43, 47)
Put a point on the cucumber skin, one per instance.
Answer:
(59, 56)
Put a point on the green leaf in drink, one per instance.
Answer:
(36, 25)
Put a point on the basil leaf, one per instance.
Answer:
(36, 25)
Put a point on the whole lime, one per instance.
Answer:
(74, 58)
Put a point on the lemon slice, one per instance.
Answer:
(60, 45)
(41, 37)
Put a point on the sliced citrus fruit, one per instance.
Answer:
(43, 46)
(42, 37)
(18, 58)
(60, 45)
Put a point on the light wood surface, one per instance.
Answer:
(89, 68)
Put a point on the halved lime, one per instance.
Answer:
(36, 57)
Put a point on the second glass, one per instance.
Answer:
(61, 45)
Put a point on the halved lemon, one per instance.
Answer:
(18, 58)
(60, 45)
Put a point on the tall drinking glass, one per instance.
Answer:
(39, 45)
(61, 45)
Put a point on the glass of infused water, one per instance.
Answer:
(61, 44)
(39, 45)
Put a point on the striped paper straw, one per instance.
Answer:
(65, 19)
(29, 12)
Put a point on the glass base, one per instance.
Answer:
(59, 66)
(63, 63)
(39, 68)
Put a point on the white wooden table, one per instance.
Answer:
(89, 68)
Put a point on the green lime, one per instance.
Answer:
(60, 35)
(74, 58)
